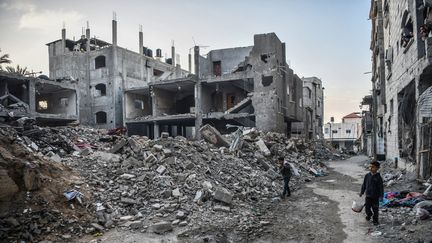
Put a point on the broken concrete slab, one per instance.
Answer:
(162, 227)
(213, 136)
(263, 148)
(223, 195)
(221, 208)
(176, 193)
(119, 145)
(161, 169)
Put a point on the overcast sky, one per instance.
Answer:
(328, 39)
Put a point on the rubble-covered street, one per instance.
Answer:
(134, 188)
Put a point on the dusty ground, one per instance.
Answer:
(319, 212)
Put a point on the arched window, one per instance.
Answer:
(100, 90)
(100, 62)
(101, 117)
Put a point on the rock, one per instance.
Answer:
(263, 148)
(223, 195)
(207, 185)
(181, 215)
(167, 152)
(128, 200)
(176, 193)
(264, 223)
(107, 157)
(183, 223)
(189, 166)
(161, 169)
(127, 176)
(220, 208)
(12, 221)
(66, 236)
(161, 227)
(97, 226)
(31, 178)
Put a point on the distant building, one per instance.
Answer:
(344, 135)
(313, 107)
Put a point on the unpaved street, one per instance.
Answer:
(319, 212)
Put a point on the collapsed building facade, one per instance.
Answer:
(402, 81)
(313, 106)
(47, 101)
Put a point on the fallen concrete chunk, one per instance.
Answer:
(176, 193)
(220, 208)
(181, 215)
(198, 196)
(135, 145)
(126, 218)
(161, 169)
(183, 223)
(86, 152)
(164, 135)
(97, 226)
(223, 195)
(162, 227)
(118, 146)
(263, 148)
(150, 158)
(213, 136)
(128, 200)
(127, 176)
(158, 147)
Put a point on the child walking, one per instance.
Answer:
(374, 189)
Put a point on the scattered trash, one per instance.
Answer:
(73, 194)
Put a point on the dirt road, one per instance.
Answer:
(318, 212)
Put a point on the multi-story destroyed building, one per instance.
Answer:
(313, 107)
(247, 86)
(402, 81)
(47, 101)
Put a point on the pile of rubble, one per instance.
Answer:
(157, 185)
(32, 205)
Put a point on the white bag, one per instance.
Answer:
(294, 169)
(357, 207)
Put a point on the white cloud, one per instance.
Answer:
(34, 17)
(48, 19)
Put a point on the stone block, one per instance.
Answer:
(220, 208)
(119, 145)
(161, 169)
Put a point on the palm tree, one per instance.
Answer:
(4, 59)
(22, 71)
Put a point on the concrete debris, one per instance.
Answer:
(140, 183)
(162, 227)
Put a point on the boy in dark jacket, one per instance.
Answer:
(374, 189)
(285, 170)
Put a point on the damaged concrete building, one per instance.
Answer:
(246, 86)
(313, 106)
(402, 82)
(47, 101)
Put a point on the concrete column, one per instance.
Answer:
(141, 40)
(32, 98)
(190, 62)
(88, 37)
(173, 54)
(156, 130)
(198, 111)
(114, 30)
(63, 40)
